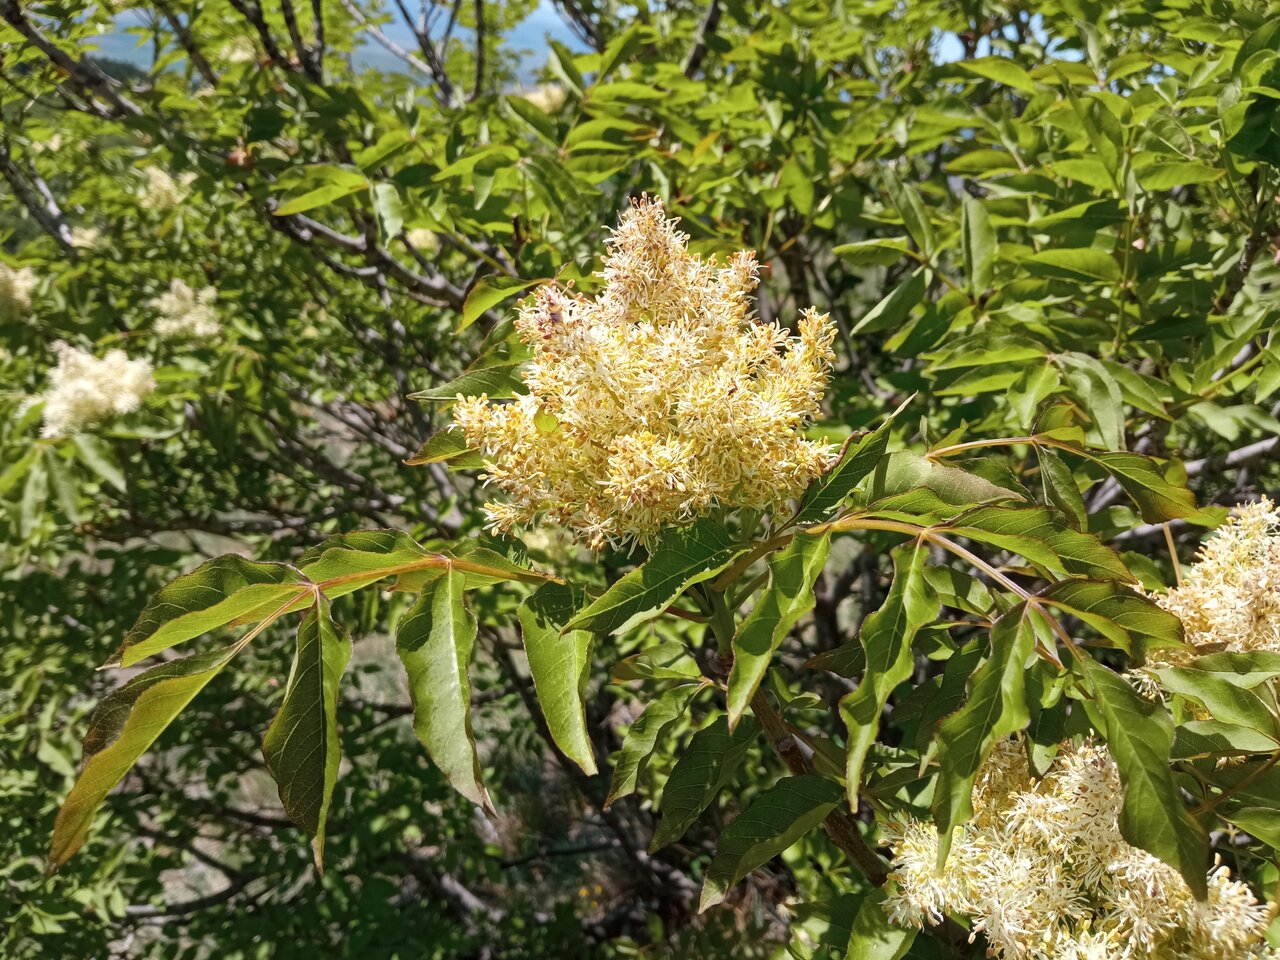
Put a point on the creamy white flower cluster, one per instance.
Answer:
(185, 312)
(1230, 597)
(16, 285)
(84, 389)
(656, 401)
(1043, 872)
(85, 238)
(161, 191)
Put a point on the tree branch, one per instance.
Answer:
(705, 32)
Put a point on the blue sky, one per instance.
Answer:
(530, 35)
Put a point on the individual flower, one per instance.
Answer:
(185, 312)
(84, 389)
(16, 285)
(1229, 599)
(655, 402)
(1043, 872)
(161, 191)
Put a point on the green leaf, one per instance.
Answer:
(489, 292)
(873, 936)
(447, 446)
(685, 556)
(122, 728)
(1082, 264)
(1261, 823)
(1099, 394)
(435, 641)
(977, 244)
(1243, 669)
(97, 455)
(1225, 700)
(387, 207)
(330, 184)
(1167, 176)
(498, 382)
(1140, 737)
(352, 561)
(1060, 487)
(671, 660)
(702, 770)
(880, 251)
(886, 638)
(1158, 498)
(995, 709)
(222, 591)
(658, 715)
(776, 819)
(1043, 537)
(903, 471)
(485, 160)
(1002, 71)
(826, 494)
(302, 748)
(1213, 738)
(1130, 620)
(894, 307)
(950, 693)
(788, 597)
(561, 666)
(914, 214)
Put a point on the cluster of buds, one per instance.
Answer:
(656, 402)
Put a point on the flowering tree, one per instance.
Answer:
(890, 547)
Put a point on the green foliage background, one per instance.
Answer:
(1007, 208)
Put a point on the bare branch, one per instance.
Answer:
(478, 84)
(581, 24)
(84, 73)
(47, 213)
(188, 43)
(705, 32)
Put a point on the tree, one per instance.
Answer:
(1041, 237)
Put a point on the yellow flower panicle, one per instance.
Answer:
(1044, 873)
(655, 402)
(1229, 599)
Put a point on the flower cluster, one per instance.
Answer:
(16, 285)
(85, 238)
(161, 191)
(655, 402)
(1044, 873)
(84, 389)
(423, 240)
(185, 312)
(547, 97)
(1230, 597)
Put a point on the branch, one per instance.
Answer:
(188, 43)
(251, 11)
(184, 907)
(705, 32)
(47, 214)
(317, 51)
(478, 83)
(84, 73)
(581, 24)
(1245, 456)
(444, 91)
